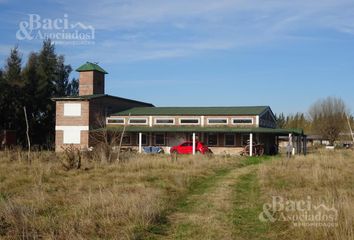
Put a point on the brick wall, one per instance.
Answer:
(91, 82)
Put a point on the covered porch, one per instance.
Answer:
(221, 140)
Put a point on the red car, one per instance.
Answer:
(187, 148)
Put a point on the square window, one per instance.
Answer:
(126, 140)
(72, 109)
(230, 140)
(72, 136)
(212, 139)
(160, 139)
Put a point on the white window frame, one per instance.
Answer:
(191, 118)
(72, 110)
(115, 118)
(68, 132)
(164, 118)
(230, 135)
(227, 121)
(137, 118)
(243, 118)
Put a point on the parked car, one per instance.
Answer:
(187, 148)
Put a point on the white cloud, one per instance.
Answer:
(153, 29)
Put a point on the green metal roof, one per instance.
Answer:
(275, 131)
(94, 96)
(151, 111)
(88, 66)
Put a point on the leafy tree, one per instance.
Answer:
(45, 75)
(329, 117)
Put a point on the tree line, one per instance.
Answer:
(327, 117)
(32, 85)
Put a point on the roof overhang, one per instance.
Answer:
(274, 131)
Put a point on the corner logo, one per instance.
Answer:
(59, 30)
(299, 213)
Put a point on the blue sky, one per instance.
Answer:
(286, 54)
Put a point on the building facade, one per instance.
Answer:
(226, 130)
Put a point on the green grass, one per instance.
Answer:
(247, 207)
(255, 160)
(183, 203)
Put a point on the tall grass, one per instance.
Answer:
(327, 177)
(106, 201)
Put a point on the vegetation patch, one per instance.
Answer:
(247, 207)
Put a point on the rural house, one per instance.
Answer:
(224, 129)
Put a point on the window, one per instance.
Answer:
(242, 121)
(138, 121)
(189, 121)
(72, 136)
(126, 140)
(164, 121)
(244, 139)
(230, 140)
(144, 139)
(212, 139)
(116, 121)
(159, 139)
(217, 121)
(72, 109)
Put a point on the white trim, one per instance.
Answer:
(202, 118)
(191, 118)
(164, 118)
(251, 144)
(257, 120)
(71, 134)
(137, 118)
(72, 110)
(227, 121)
(242, 118)
(71, 128)
(140, 141)
(115, 118)
(193, 145)
(150, 121)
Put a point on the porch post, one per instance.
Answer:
(251, 144)
(140, 141)
(193, 139)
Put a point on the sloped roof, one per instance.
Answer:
(94, 96)
(160, 111)
(89, 66)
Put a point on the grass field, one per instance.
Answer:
(155, 197)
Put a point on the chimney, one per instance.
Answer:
(91, 79)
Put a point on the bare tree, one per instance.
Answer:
(329, 117)
(105, 140)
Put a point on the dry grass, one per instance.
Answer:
(98, 201)
(327, 177)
